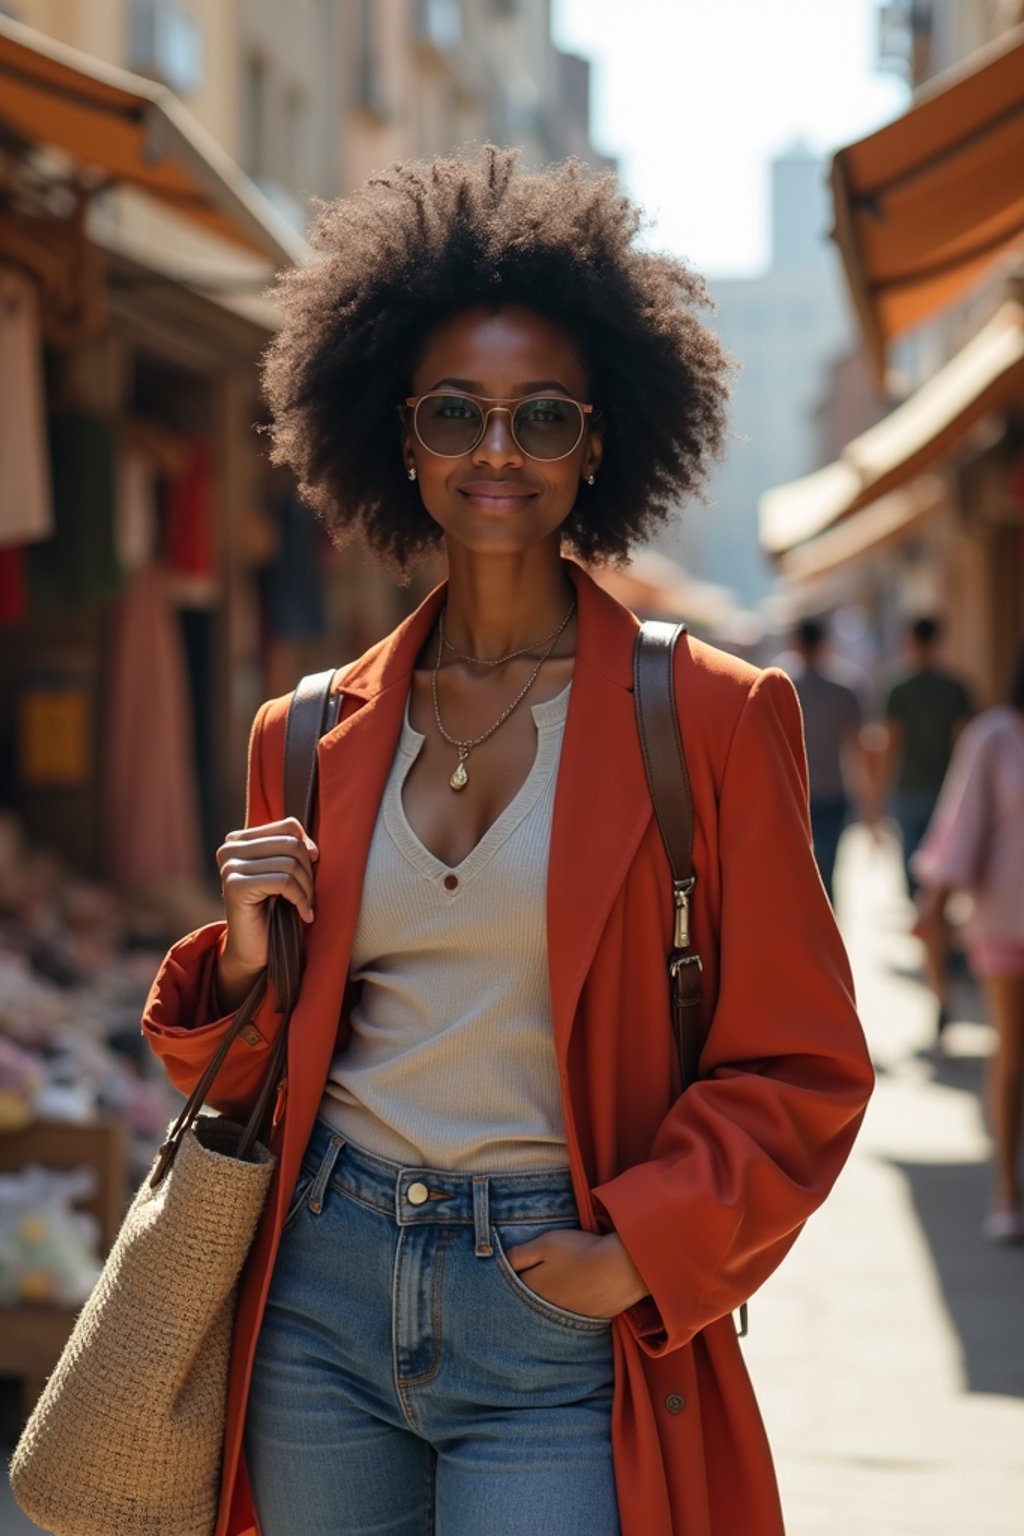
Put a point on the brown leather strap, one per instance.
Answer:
(665, 762)
(669, 783)
(311, 708)
(658, 722)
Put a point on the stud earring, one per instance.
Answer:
(412, 472)
(590, 479)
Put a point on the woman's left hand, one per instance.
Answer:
(580, 1272)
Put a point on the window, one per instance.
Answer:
(254, 134)
(438, 23)
(296, 166)
(166, 43)
(370, 93)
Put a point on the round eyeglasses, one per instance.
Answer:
(542, 426)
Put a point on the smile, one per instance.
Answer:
(495, 498)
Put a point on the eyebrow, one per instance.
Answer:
(472, 387)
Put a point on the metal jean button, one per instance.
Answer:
(417, 1193)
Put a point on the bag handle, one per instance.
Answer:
(669, 782)
(313, 710)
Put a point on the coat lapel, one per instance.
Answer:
(602, 809)
(602, 805)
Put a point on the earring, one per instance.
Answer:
(590, 479)
(412, 472)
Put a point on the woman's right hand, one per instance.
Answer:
(255, 864)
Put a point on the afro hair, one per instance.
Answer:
(423, 241)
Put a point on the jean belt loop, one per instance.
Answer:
(315, 1199)
(482, 1216)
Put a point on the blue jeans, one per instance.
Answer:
(912, 809)
(407, 1381)
(828, 818)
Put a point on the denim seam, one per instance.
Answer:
(300, 1193)
(436, 1318)
(367, 1205)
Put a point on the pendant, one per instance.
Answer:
(460, 778)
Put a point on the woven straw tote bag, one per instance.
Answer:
(126, 1438)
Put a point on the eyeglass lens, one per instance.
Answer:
(451, 425)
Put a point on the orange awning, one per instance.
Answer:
(885, 522)
(985, 375)
(925, 206)
(137, 133)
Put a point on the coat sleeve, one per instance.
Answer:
(180, 1016)
(754, 1146)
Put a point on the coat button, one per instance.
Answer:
(674, 1403)
(418, 1193)
(252, 1036)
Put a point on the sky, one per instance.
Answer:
(694, 97)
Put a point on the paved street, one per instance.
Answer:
(889, 1350)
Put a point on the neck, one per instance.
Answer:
(500, 603)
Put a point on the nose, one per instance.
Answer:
(497, 447)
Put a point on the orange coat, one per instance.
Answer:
(707, 1190)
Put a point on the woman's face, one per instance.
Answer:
(495, 498)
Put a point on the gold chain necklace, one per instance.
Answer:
(460, 778)
(482, 661)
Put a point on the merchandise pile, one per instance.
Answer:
(76, 963)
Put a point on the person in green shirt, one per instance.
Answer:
(924, 710)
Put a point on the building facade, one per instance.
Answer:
(943, 533)
(281, 105)
(784, 328)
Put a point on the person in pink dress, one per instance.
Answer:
(975, 842)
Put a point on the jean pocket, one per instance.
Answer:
(578, 1322)
(303, 1185)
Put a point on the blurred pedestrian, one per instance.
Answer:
(833, 718)
(924, 710)
(500, 1226)
(975, 843)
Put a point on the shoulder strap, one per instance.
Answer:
(310, 713)
(665, 761)
(669, 782)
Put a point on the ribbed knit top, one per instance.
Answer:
(451, 1061)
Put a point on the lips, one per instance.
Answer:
(495, 495)
(502, 490)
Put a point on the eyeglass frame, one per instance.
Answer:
(507, 403)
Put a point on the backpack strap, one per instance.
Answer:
(669, 782)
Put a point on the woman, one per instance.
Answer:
(494, 1285)
(975, 842)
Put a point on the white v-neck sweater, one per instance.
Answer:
(451, 1061)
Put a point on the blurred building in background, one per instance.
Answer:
(157, 577)
(785, 327)
(922, 511)
(157, 161)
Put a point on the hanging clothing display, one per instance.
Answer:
(190, 539)
(136, 521)
(79, 566)
(26, 512)
(152, 815)
(13, 588)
